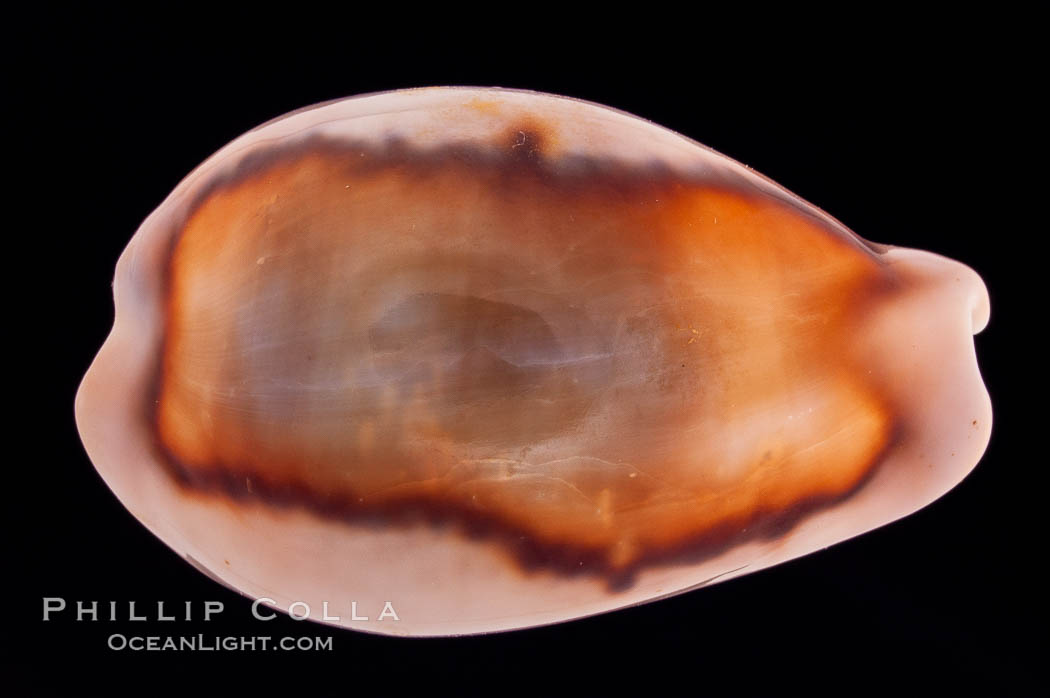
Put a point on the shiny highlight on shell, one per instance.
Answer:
(504, 359)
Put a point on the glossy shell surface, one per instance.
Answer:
(501, 359)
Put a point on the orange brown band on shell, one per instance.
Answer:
(540, 351)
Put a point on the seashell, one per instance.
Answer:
(466, 360)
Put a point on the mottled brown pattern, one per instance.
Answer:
(543, 353)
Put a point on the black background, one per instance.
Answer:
(901, 130)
